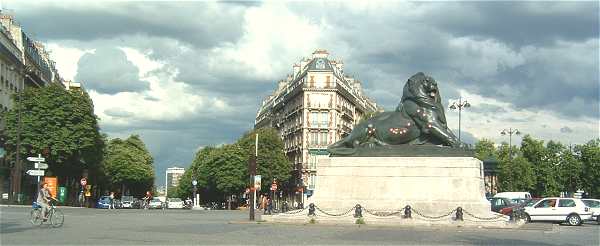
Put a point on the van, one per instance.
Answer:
(514, 195)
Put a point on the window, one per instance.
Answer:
(592, 203)
(548, 203)
(314, 138)
(324, 138)
(324, 119)
(566, 203)
(499, 202)
(315, 119)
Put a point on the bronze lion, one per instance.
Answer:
(419, 119)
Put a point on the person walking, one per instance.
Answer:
(111, 204)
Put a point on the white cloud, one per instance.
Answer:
(66, 58)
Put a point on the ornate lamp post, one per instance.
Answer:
(460, 105)
(510, 132)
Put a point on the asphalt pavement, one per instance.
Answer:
(84, 226)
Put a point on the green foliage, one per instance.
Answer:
(55, 121)
(129, 163)
(271, 161)
(485, 149)
(589, 155)
(223, 170)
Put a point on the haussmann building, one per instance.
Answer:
(312, 108)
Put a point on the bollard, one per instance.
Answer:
(407, 212)
(358, 211)
(311, 209)
(459, 214)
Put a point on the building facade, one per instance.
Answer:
(312, 108)
(172, 177)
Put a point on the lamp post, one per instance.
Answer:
(510, 132)
(17, 175)
(460, 105)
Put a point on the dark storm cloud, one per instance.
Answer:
(107, 70)
(519, 24)
(566, 129)
(202, 24)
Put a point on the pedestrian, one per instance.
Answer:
(269, 205)
(111, 204)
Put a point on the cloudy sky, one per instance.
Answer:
(184, 75)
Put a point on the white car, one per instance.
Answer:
(174, 203)
(155, 203)
(594, 205)
(570, 210)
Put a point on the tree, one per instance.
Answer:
(61, 125)
(589, 155)
(485, 149)
(516, 173)
(271, 162)
(129, 165)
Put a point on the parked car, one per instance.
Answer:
(570, 210)
(594, 205)
(103, 202)
(127, 201)
(155, 203)
(514, 195)
(174, 203)
(499, 203)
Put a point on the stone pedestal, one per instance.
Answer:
(432, 185)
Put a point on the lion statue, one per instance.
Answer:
(419, 119)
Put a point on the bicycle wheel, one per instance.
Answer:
(35, 217)
(57, 218)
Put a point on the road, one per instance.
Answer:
(185, 227)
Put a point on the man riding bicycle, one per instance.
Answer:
(44, 199)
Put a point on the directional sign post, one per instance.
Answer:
(40, 165)
(35, 172)
(36, 159)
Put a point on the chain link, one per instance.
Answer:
(297, 211)
(335, 215)
(433, 217)
(483, 218)
(382, 213)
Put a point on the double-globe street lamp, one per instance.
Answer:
(459, 105)
(510, 132)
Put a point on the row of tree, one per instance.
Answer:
(545, 169)
(61, 125)
(222, 171)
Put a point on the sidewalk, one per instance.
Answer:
(29, 206)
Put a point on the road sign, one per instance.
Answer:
(83, 181)
(36, 159)
(257, 181)
(35, 172)
(194, 182)
(41, 165)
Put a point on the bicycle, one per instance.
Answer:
(55, 215)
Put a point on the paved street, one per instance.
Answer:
(177, 227)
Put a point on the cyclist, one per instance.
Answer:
(44, 199)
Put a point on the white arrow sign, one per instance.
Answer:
(35, 172)
(41, 165)
(36, 159)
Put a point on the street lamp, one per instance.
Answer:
(510, 132)
(460, 105)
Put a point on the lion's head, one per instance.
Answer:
(423, 90)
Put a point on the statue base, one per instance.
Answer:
(434, 187)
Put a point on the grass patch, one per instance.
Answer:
(360, 221)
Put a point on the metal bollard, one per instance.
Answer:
(459, 214)
(407, 212)
(311, 209)
(358, 211)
